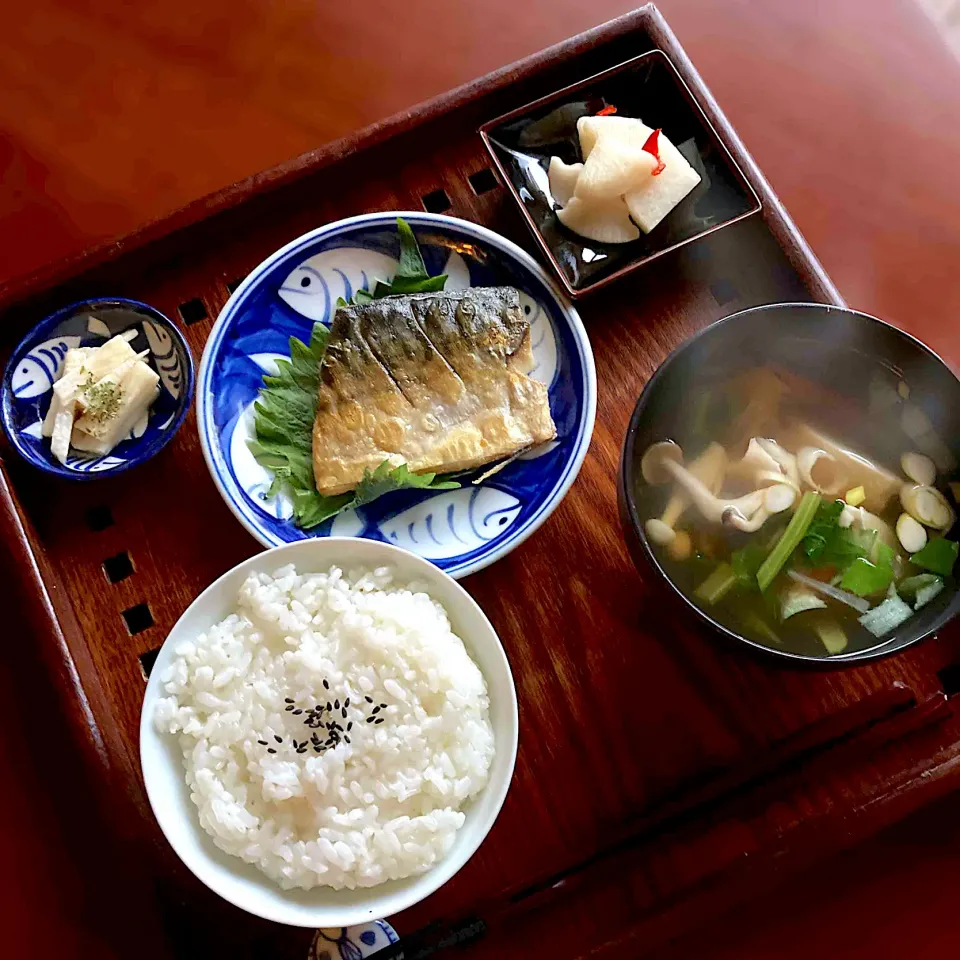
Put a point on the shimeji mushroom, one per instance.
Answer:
(709, 468)
(663, 461)
(787, 461)
(928, 505)
(776, 499)
(757, 467)
(819, 470)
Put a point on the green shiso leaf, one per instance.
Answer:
(287, 407)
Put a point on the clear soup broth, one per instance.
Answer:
(799, 517)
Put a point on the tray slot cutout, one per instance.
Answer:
(192, 311)
(949, 678)
(233, 284)
(147, 660)
(138, 618)
(436, 201)
(118, 567)
(483, 181)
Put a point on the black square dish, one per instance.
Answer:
(649, 87)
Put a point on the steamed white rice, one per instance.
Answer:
(384, 806)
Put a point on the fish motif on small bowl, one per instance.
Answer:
(37, 362)
(352, 943)
(460, 530)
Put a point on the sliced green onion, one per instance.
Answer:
(910, 587)
(888, 616)
(789, 539)
(717, 585)
(927, 593)
(798, 598)
(938, 555)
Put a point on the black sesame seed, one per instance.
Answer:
(288, 707)
(376, 710)
(336, 704)
(378, 720)
(347, 739)
(368, 699)
(271, 750)
(278, 739)
(371, 719)
(326, 685)
(288, 700)
(350, 725)
(297, 713)
(329, 705)
(318, 707)
(262, 743)
(383, 705)
(346, 702)
(343, 712)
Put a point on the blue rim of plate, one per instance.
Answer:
(137, 453)
(559, 313)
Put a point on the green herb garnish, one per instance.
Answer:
(287, 406)
(102, 401)
(827, 543)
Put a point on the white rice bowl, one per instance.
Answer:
(265, 767)
(371, 789)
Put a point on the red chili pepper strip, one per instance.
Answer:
(607, 111)
(652, 146)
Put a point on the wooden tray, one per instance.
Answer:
(661, 775)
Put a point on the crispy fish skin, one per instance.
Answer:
(437, 381)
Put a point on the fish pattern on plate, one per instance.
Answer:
(36, 367)
(460, 530)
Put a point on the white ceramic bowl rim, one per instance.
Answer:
(243, 884)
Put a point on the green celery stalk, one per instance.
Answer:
(717, 585)
(938, 555)
(789, 539)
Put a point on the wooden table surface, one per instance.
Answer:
(113, 114)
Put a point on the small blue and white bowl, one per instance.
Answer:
(38, 359)
(462, 530)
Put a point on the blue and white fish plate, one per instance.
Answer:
(460, 530)
(37, 362)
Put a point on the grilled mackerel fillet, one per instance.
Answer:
(434, 380)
